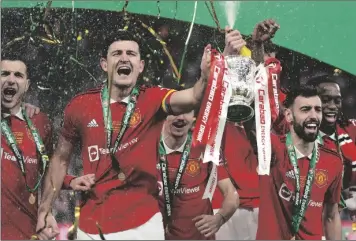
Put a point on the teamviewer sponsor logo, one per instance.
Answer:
(93, 152)
(285, 193)
(184, 190)
(9, 157)
(315, 204)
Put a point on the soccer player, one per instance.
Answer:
(183, 180)
(305, 177)
(241, 151)
(119, 145)
(339, 133)
(26, 144)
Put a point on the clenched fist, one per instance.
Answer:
(265, 30)
(233, 42)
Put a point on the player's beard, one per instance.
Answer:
(299, 129)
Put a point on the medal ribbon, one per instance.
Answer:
(301, 204)
(168, 197)
(11, 141)
(125, 121)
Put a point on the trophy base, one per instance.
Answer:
(240, 113)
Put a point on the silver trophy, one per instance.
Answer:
(241, 72)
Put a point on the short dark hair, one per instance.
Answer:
(321, 79)
(303, 90)
(120, 35)
(15, 56)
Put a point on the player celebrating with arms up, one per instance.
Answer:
(119, 145)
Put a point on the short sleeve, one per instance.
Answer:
(70, 130)
(66, 182)
(222, 172)
(160, 97)
(333, 193)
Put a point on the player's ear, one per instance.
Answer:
(288, 115)
(104, 64)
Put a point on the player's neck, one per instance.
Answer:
(119, 93)
(173, 142)
(306, 148)
(327, 129)
(12, 111)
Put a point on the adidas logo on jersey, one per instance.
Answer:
(290, 174)
(92, 123)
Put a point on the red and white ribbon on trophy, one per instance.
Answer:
(212, 116)
(267, 88)
(210, 124)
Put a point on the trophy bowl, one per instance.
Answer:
(241, 75)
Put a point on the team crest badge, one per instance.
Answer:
(18, 137)
(134, 121)
(321, 178)
(193, 168)
(135, 118)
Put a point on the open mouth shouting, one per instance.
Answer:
(330, 117)
(9, 93)
(311, 127)
(124, 70)
(179, 124)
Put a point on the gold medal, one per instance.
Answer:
(121, 176)
(32, 199)
(34, 237)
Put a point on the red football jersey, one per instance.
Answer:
(242, 165)
(18, 216)
(347, 141)
(117, 205)
(187, 202)
(277, 193)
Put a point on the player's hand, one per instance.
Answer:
(205, 63)
(233, 42)
(208, 225)
(83, 183)
(47, 227)
(31, 110)
(265, 30)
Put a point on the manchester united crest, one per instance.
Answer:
(135, 118)
(134, 121)
(193, 168)
(18, 136)
(321, 178)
